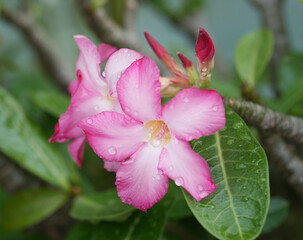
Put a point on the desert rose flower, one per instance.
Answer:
(155, 140)
(91, 93)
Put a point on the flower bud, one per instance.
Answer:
(189, 68)
(205, 51)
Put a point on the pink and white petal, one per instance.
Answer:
(112, 136)
(111, 166)
(139, 90)
(89, 65)
(116, 65)
(187, 168)
(105, 50)
(72, 87)
(138, 180)
(193, 113)
(76, 149)
(79, 109)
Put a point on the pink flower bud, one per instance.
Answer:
(205, 49)
(186, 63)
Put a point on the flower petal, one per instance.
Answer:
(138, 180)
(88, 65)
(76, 149)
(116, 65)
(187, 168)
(112, 166)
(80, 108)
(193, 113)
(139, 90)
(112, 136)
(105, 51)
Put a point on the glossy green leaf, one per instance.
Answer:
(52, 102)
(30, 206)
(179, 208)
(277, 213)
(104, 205)
(147, 226)
(24, 144)
(253, 53)
(238, 207)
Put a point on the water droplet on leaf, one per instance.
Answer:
(230, 142)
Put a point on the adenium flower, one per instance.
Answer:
(155, 140)
(91, 93)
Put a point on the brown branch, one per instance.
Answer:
(107, 30)
(130, 15)
(265, 119)
(286, 162)
(47, 52)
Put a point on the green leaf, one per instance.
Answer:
(30, 206)
(104, 205)
(52, 102)
(24, 144)
(179, 208)
(147, 226)
(277, 213)
(238, 207)
(253, 53)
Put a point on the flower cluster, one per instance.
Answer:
(120, 115)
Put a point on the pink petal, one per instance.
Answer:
(116, 65)
(80, 108)
(138, 180)
(72, 87)
(193, 113)
(88, 65)
(187, 168)
(76, 149)
(112, 166)
(139, 90)
(105, 50)
(112, 136)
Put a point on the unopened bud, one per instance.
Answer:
(189, 68)
(205, 51)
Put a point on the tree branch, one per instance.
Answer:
(265, 119)
(47, 52)
(286, 162)
(107, 30)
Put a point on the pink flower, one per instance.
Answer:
(155, 140)
(91, 93)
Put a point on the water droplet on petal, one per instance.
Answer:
(137, 86)
(112, 150)
(171, 168)
(158, 177)
(156, 143)
(135, 113)
(161, 171)
(149, 134)
(96, 107)
(89, 121)
(129, 201)
(203, 194)
(171, 106)
(186, 100)
(176, 141)
(127, 109)
(215, 108)
(200, 187)
(179, 181)
(103, 74)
